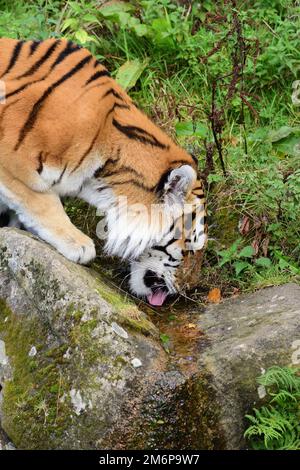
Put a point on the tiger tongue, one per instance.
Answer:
(157, 298)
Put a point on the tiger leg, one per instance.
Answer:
(44, 215)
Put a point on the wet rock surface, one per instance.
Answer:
(243, 337)
(83, 368)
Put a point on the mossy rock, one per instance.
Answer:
(87, 370)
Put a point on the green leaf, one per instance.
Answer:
(190, 128)
(90, 18)
(140, 29)
(240, 266)
(247, 252)
(280, 133)
(184, 129)
(117, 12)
(165, 339)
(214, 178)
(283, 264)
(129, 73)
(161, 25)
(225, 260)
(115, 8)
(70, 23)
(229, 254)
(289, 146)
(82, 36)
(260, 135)
(264, 262)
(136, 26)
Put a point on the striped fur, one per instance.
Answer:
(67, 128)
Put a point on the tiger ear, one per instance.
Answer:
(177, 185)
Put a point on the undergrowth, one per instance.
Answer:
(211, 74)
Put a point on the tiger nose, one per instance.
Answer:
(151, 279)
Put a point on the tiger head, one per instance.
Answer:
(172, 265)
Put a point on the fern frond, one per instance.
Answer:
(282, 377)
(276, 426)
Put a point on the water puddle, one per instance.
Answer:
(177, 321)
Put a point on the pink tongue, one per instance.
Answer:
(157, 298)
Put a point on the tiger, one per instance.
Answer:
(68, 129)
(173, 265)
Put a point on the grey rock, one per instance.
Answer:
(83, 368)
(71, 341)
(5, 444)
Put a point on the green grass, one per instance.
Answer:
(167, 48)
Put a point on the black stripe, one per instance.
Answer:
(164, 250)
(6, 107)
(134, 182)
(61, 175)
(40, 160)
(102, 188)
(23, 87)
(14, 57)
(162, 181)
(184, 162)
(99, 171)
(194, 158)
(172, 227)
(122, 169)
(33, 47)
(88, 150)
(111, 91)
(173, 265)
(68, 50)
(116, 105)
(95, 76)
(200, 198)
(38, 105)
(170, 242)
(40, 62)
(136, 133)
(86, 90)
(18, 90)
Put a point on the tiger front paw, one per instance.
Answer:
(80, 249)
